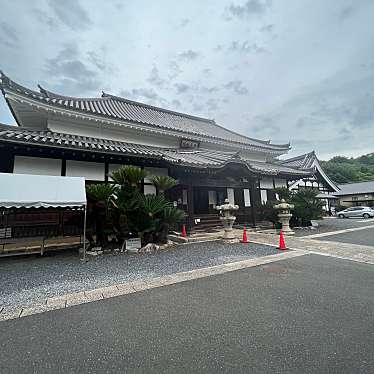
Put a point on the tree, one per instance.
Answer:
(345, 170)
(307, 206)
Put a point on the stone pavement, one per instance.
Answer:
(76, 298)
(353, 252)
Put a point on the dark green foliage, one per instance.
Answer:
(307, 206)
(101, 192)
(283, 193)
(100, 198)
(163, 183)
(346, 170)
(123, 211)
(129, 175)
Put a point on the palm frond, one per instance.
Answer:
(129, 175)
(153, 204)
(163, 182)
(100, 192)
(172, 215)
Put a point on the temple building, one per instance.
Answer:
(91, 137)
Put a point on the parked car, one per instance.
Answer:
(357, 211)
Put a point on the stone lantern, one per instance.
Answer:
(284, 216)
(228, 219)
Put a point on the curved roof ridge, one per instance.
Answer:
(166, 119)
(302, 156)
(267, 142)
(212, 121)
(53, 95)
(144, 105)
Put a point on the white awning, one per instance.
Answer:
(41, 191)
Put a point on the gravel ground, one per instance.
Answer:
(28, 280)
(332, 224)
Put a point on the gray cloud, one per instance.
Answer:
(155, 79)
(347, 12)
(267, 125)
(8, 35)
(197, 107)
(176, 103)
(45, 19)
(267, 28)
(250, 7)
(212, 104)
(148, 95)
(184, 22)
(72, 74)
(182, 88)
(71, 14)
(237, 86)
(189, 55)
(96, 60)
(245, 47)
(174, 70)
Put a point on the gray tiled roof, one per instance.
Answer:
(20, 135)
(304, 161)
(122, 109)
(199, 158)
(207, 158)
(356, 188)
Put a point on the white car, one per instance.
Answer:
(357, 211)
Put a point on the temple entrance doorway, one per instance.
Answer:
(207, 198)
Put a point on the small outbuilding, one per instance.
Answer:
(356, 194)
(36, 208)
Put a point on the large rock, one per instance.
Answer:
(177, 239)
(149, 248)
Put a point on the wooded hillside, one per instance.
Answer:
(344, 170)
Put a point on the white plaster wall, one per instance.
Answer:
(247, 197)
(36, 166)
(253, 156)
(280, 182)
(94, 171)
(266, 182)
(110, 132)
(231, 195)
(264, 196)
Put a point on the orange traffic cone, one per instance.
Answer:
(282, 244)
(184, 232)
(245, 239)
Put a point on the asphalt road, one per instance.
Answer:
(311, 314)
(362, 237)
(334, 224)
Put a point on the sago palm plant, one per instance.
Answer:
(129, 175)
(163, 183)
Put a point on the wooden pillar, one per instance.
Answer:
(6, 160)
(190, 205)
(253, 204)
(63, 167)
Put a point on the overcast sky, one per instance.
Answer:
(295, 70)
